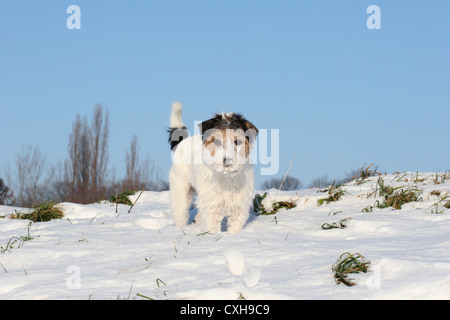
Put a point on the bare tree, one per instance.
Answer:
(30, 165)
(6, 195)
(290, 183)
(131, 180)
(141, 174)
(320, 182)
(83, 177)
(77, 165)
(86, 166)
(57, 189)
(99, 149)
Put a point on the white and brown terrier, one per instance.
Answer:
(216, 166)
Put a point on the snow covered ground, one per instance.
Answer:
(96, 253)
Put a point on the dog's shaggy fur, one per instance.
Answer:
(216, 166)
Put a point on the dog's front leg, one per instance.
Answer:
(210, 220)
(237, 221)
(209, 215)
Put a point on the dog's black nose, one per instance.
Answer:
(227, 162)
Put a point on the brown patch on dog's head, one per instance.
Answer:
(214, 140)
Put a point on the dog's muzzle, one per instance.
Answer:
(227, 162)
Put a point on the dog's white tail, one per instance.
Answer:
(177, 129)
(176, 118)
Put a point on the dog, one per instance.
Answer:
(214, 165)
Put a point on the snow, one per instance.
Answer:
(95, 252)
(274, 197)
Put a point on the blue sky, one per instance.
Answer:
(340, 94)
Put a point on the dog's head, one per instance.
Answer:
(227, 138)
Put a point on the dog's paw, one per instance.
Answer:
(232, 230)
(234, 227)
(180, 223)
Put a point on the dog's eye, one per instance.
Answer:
(237, 142)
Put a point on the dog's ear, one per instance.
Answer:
(207, 126)
(248, 125)
(251, 132)
(237, 121)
